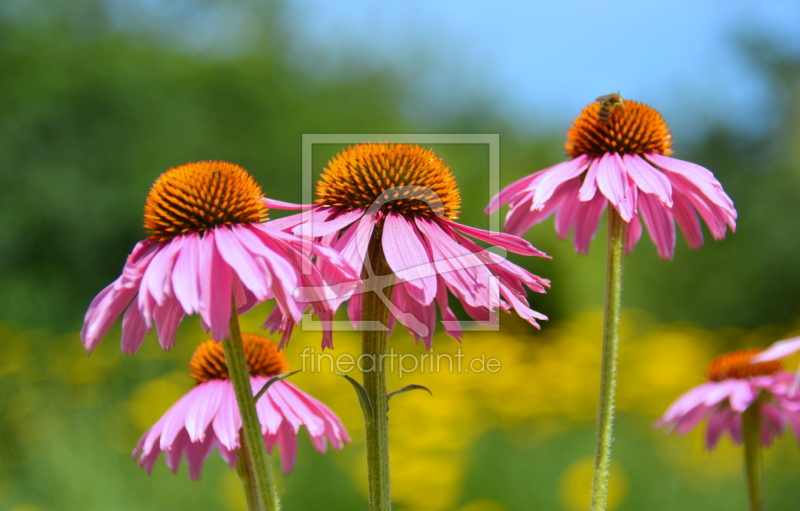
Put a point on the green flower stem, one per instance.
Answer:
(373, 346)
(252, 440)
(608, 375)
(245, 471)
(753, 461)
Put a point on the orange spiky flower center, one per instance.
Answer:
(262, 355)
(199, 196)
(737, 365)
(630, 128)
(404, 178)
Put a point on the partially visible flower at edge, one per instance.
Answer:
(780, 350)
(406, 198)
(737, 382)
(623, 161)
(207, 417)
(208, 243)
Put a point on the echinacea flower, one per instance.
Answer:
(207, 417)
(402, 200)
(620, 152)
(207, 245)
(735, 383)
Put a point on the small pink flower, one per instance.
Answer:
(620, 152)
(402, 199)
(207, 243)
(207, 417)
(735, 383)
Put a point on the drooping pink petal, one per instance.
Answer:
(185, 282)
(687, 220)
(227, 422)
(613, 183)
(354, 241)
(587, 222)
(460, 267)
(702, 177)
(167, 318)
(407, 256)
(252, 272)
(509, 192)
(216, 291)
(196, 454)
(504, 240)
(659, 224)
(633, 233)
(287, 440)
(202, 412)
(133, 330)
(648, 179)
(589, 186)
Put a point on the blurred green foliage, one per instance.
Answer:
(93, 109)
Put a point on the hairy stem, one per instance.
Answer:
(252, 439)
(375, 314)
(245, 471)
(608, 375)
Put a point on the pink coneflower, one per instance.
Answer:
(735, 384)
(401, 200)
(620, 156)
(206, 243)
(207, 417)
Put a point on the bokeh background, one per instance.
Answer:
(98, 97)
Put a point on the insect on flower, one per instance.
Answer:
(607, 102)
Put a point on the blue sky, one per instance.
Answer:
(540, 62)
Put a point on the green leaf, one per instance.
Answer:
(363, 398)
(408, 388)
(270, 382)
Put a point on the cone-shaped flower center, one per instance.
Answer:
(263, 359)
(201, 195)
(618, 125)
(737, 365)
(404, 178)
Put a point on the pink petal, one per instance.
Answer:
(251, 272)
(288, 444)
(588, 221)
(687, 220)
(648, 179)
(203, 410)
(613, 183)
(277, 204)
(407, 255)
(216, 291)
(700, 176)
(322, 225)
(633, 233)
(589, 186)
(778, 350)
(196, 455)
(133, 330)
(355, 240)
(659, 224)
(509, 192)
(718, 422)
(507, 241)
(558, 174)
(185, 274)
(167, 318)
(227, 421)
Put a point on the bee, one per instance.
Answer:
(606, 102)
